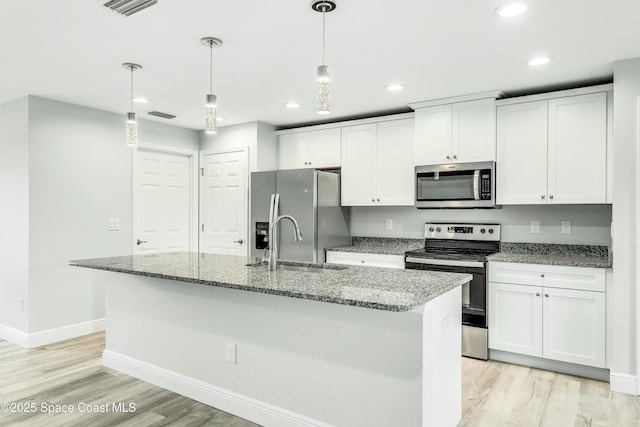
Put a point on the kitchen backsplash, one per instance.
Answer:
(590, 224)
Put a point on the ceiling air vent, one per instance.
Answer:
(129, 7)
(163, 115)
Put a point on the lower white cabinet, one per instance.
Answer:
(365, 259)
(552, 312)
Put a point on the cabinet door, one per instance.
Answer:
(574, 326)
(578, 149)
(324, 148)
(474, 131)
(394, 169)
(515, 318)
(366, 259)
(433, 135)
(293, 150)
(521, 167)
(358, 165)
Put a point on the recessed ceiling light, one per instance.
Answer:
(292, 104)
(535, 62)
(509, 10)
(140, 100)
(394, 87)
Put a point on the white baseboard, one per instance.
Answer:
(14, 336)
(251, 409)
(49, 336)
(624, 383)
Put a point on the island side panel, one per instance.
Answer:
(335, 364)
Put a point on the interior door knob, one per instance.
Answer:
(239, 241)
(139, 242)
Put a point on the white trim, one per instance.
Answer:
(493, 94)
(49, 336)
(225, 400)
(194, 165)
(624, 383)
(14, 336)
(354, 122)
(557, 94)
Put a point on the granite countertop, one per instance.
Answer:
(369, 287)
(380, 245)
(555, 254)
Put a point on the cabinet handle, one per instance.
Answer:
(546, 295)
(542, 197)
(448, 157)
(542, 275)
(537, 294)
(373, 200)
(455, 157)
(362, 261)
(551, 196)
(378, 200)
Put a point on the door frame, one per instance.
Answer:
(247, 182)
(192, 156)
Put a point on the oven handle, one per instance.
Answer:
(454, 263)
(476, 185)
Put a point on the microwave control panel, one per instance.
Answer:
(485, 184)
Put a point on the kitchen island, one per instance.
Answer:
(344, 346)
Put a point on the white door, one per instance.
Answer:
(433, 135)
(163, 202)
(358, 165)
(223, 198)
(474, 131)
(293, 150)
(515, 318)
(395, 170)
(324, 148)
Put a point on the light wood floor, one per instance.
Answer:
(494, 394)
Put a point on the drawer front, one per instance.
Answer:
(364, 259)
(551, 276)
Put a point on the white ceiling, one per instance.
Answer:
(72, 51)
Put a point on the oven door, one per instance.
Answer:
(474, 293)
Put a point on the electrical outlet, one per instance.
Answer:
(230, 353)
(21, 305)
(113, 224)
(388, 224)
(565, 227)
(535, 227)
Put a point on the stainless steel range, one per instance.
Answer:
(462, 248)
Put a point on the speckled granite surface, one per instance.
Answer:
(554, 254)
(380, 245)
(369, 287)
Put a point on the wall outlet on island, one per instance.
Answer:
(388, 224)
(230, 353)
(535, 227)
(565, 227)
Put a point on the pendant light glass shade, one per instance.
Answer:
(132, 123)
(211, 101)
(211, 125)
(323, 96)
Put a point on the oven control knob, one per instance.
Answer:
(482, 230)
(491, 231)
(438, 230)
(430, 229)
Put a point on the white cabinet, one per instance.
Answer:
(365, 259)
(310, 149)
(377, 164)
(553, 312)
(553, 151)
(458, 132)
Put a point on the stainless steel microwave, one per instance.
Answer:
(456, 185)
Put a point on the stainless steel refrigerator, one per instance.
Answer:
(312, 197)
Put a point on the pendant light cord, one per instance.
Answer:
(131, 97)
(324, 9)
(211, 66)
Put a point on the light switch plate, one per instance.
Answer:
(535, 227)
(565, 227)
(113, 224)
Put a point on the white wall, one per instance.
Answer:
(259, 137)
(626, 90)
(14, 213)
(590, 224)
(80, 175)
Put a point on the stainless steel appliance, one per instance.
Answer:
(462, 248)
(312, 197)
(456, 185)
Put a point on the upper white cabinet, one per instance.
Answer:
(377, 164)
(547, 311)
(455, 132)
(309, 149)
(552, 151)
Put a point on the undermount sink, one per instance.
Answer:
(300, 266)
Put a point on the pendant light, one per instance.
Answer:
(324, 77)
(211, 107)
(132, 124)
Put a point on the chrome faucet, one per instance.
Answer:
(273, 241)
